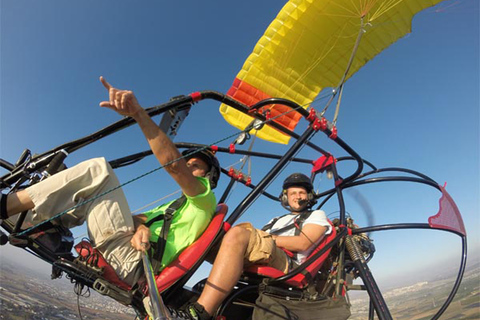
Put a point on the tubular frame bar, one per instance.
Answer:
(330, 193)
(396, 169)
(127, 160)
(253, 195)
(246, 110)
(368, 163)
(373, 290)
(227, 190)
(428, 181)
(188, 101)
(463, 260)
(251, 186)
(232, 296)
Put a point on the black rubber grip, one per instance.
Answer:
(56, 162)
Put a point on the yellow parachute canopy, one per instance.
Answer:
(308, 47)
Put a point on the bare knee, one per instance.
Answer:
(237, 236)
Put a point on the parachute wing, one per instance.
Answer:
(308, 47)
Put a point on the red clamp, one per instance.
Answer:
(320, 124)
(323, 124)
(238, 176)
(214, 148)
(323, 163)
(268, 114)
(312, 117)
(196, 96)
(231, 149)
(226, 226)
(333, 136)
(316, 125)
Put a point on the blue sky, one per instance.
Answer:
(416, 105)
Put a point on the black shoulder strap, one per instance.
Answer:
(271, 224)
(298, 229)
(300, 220)
(297, 222)
(159, 247)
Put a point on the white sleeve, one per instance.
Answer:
(319, 217)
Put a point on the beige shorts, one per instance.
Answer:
(262, 250)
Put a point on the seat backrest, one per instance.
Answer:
(302, 279)
(193, 253)
(175, 270)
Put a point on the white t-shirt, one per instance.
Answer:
(316, 217)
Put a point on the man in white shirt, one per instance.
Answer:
(243, 245)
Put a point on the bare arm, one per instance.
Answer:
(310, 234)
(125, 103)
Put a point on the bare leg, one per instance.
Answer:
(227, 268)
(18, 202)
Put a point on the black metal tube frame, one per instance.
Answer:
(463, 260)
(302, 140)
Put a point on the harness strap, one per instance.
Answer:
(271, 224)
(297, 224)
(167, 217)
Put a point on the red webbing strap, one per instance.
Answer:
(288, 252)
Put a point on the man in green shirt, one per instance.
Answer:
(112, 229)
(189, 221)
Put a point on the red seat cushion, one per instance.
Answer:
(300, 280)
(185, 261)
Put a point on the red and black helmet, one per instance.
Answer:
(209, 158)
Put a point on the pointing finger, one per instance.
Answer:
(105, 83)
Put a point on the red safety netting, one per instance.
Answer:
(448, 216)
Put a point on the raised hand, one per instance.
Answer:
(123, 102)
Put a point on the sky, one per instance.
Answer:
(416, 105)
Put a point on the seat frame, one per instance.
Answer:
(303, 278)
(175, 275)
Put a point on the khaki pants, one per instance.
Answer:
(109, 220)
(261, 249)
